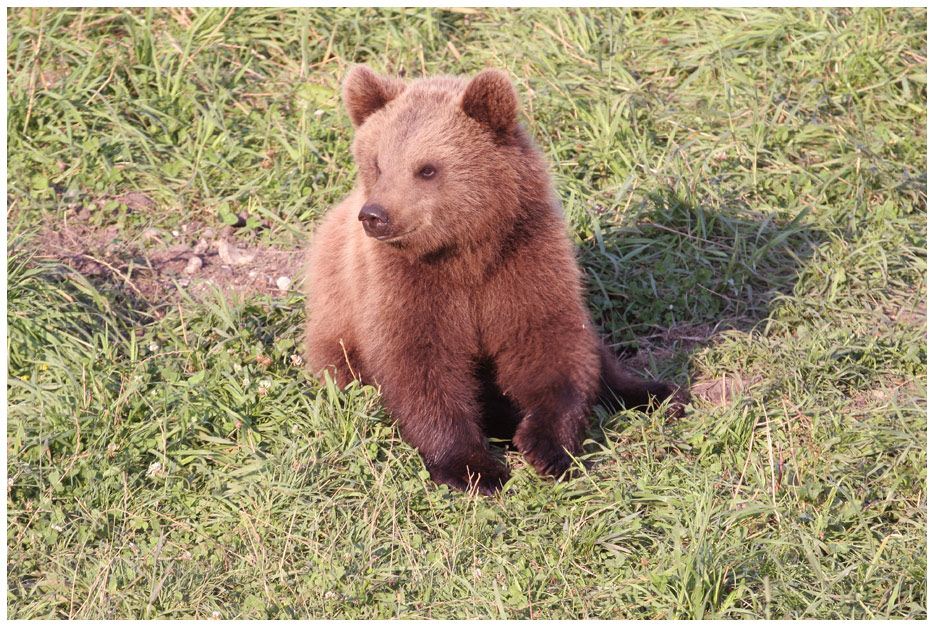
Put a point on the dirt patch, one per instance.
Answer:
(911, 314)
(157, 267)
(888, 393)
(666, 343)
(722, 390)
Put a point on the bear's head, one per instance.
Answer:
(441, 160)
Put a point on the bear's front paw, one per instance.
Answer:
(485, 477)
(544, 454)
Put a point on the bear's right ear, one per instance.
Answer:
(490, 98)
(366, 92)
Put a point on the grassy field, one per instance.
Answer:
(747, 191)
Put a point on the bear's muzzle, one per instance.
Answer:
(375, 220)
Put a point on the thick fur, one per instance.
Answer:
(469, 313)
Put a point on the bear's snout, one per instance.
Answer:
(375, 220)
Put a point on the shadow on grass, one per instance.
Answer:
(667, 280)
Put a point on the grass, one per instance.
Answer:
(747, 192)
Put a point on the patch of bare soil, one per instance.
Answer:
(664, 344)
(154, 270)
(722, 390)
(911, 314)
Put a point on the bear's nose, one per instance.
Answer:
(375, 220)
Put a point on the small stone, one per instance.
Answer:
(194, 265)
(137, 201)
(229, 254)
(201, 248)
(151, 234)
(283, 283)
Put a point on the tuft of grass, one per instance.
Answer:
(746, 188)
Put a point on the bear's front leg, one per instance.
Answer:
(554, 391)
(552, 429)
(468, 469)
(434, 402)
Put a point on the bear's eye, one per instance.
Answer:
(376, 167)
(427, 172)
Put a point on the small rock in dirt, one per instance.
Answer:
(283, 283)
(229, 254)
(151, 234)
(194, 265)
(89, 268)
(201, 248)
(136, 201)
(253, 274)
(208, 232)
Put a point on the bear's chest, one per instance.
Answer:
(405, 300)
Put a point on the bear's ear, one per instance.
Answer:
(366, 92)
(491, 100)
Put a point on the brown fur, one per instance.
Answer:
(469, 313)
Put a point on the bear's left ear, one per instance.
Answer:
(491, 100)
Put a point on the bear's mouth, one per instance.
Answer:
(391, 238)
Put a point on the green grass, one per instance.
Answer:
(747, 191)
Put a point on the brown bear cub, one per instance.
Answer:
(447, 278)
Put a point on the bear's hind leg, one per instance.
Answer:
(620, 388)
